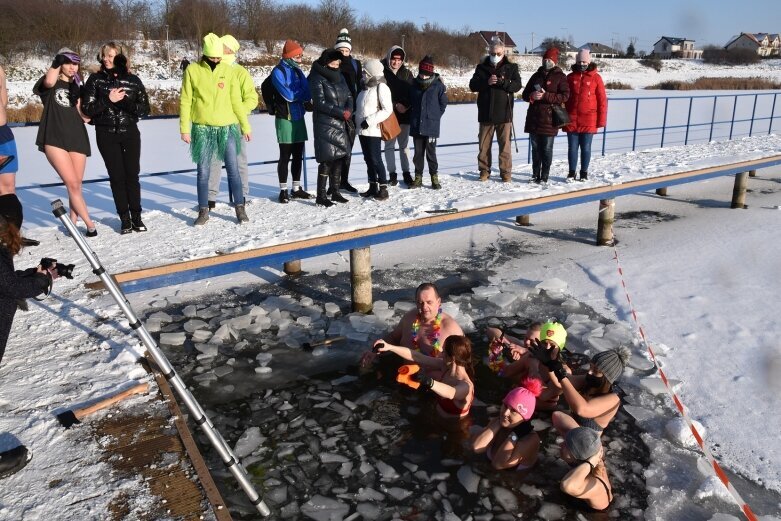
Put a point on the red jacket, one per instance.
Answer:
(587, 103)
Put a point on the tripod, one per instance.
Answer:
(217, 441)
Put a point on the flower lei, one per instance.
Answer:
(433, 336)
(496, 360)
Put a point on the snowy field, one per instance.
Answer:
(703, 278)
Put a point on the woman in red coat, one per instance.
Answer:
(587, 108)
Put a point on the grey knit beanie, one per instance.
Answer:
(582, 442)
(611, 362)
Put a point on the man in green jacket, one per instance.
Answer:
(249, 98)
(213, 120)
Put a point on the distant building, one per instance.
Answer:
(599, 50)
(569, 50)
(487, 37)
(669, 47)
(764, 44)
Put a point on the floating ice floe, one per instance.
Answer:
(553, 285)
(248, 442)
(551, 512)
(172, 339)
(403, 306)
(506, 499)
(190, 311)
(370, 426)
(161, 316)
(640, 414)
(321, 508)
(468, 479)
(264, 359)
(207, 349)
(678, 432)
(192, 325)
(656, 387)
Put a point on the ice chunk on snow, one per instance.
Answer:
(468, 479)
(506, 499)
(639, 413)
(640, 362)
(712, 487)
(598, 344)
(678, 432)
(172, 339)
(553, 285)
(321, 508)
(656, 386)
(503, 300)
(248, 442)
(483, 292)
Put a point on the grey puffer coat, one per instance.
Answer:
(330, 97)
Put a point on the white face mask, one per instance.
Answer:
(548, 64)
(495, 59)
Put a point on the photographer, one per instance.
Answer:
(15, 285)
(496, 81)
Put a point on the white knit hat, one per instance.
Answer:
(343, 40)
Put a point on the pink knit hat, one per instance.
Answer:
(584, 55)
(522, 399)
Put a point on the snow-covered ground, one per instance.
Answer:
(703, 278)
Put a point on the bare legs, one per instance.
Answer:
(7, 184)
(70, 167)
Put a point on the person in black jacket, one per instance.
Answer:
(399, 79)
(428, 100)
(332, 123)
(115, 99)
(496, 81)
(353, 74)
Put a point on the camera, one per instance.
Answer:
(63, 270)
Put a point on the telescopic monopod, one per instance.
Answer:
(217, 441)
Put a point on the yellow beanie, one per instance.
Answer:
(212, 46)
(554, 332)
(231, 43)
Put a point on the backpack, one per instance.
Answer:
(269, 93)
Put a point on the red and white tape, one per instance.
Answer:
(679, 405)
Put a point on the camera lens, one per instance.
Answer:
(65, 270)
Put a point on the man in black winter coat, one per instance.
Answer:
(353, 74)
(496, 81)
(399, 79)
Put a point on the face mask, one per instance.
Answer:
(548, 64)
(593, 381)
(496, 59)
(582, 67)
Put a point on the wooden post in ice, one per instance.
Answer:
(662, 191)
(523, 220)
(739, 190)
(752, 173)
(293, 267)
(361, 279)
(607, 208)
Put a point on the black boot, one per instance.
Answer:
(344, 184)
(583, 175)
(13, 460)
(125, 225)
(544, 176)
(407, 178)
(382, 194)
(372, 191)
(571, 175)
(322, 198)
(435, 182)
(394, 179)
(298, 193)
(335, 177)
(536, 176)
(138, 224)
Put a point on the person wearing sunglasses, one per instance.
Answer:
(496, 80)
(62, 136)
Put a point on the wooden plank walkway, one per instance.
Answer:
(196, 269)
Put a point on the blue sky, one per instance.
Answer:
(706, 22)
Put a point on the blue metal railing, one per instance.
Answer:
(634, 129)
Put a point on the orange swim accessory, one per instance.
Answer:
(405, 375)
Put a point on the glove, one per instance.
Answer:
(308, 106)
(405, 375)
(425, 381)
(58, 61)
(347, 115)
(364, 124)
(540, 351)
(74, 93)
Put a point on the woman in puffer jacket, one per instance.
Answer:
(587, 108)
(374, 105)
(115, 99)
(331, 122)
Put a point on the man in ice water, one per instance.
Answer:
(424, 328)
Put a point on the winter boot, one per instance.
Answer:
(344, 184)
(372, 191)
(299, 193)
(212, 204)
(284, 198)
(335, 176)
(418, 182)
(407, 179)
(382, 194)
(13, 460)
(241, 214)
(394, 178)
(138, 224)
(203, 216)
(125, 225)
(571, 175)
(435, 182)
(507, 177)
(536, 177)
(544, 176)
(322, 197)
(583, 175)
(484, 175)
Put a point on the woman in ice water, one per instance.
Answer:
(62, 135)
(509, 440)
(455, 389)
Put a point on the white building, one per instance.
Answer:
(670, 47)
(764, 44)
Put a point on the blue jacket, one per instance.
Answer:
(428, 106)
(292, 85)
